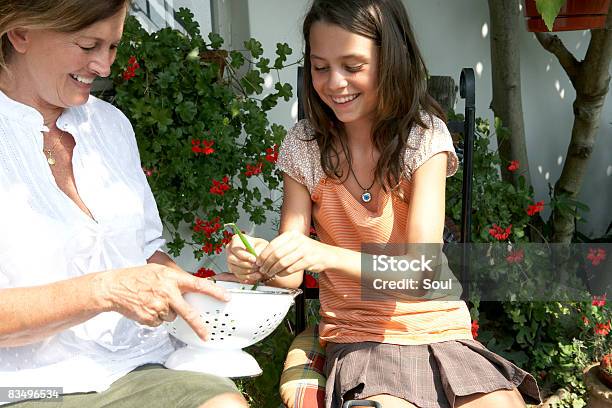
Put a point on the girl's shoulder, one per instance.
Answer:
(299, 155)
(425, 142)
(301, 134)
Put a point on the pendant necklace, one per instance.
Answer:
(49, 152)
(366, 196)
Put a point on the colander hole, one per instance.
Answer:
(226, 315)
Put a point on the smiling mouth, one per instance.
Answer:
(344, 98)
(82, 79)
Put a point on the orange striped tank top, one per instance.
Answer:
(342, 221)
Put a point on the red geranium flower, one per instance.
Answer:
(514, 165)
(253, 170)
(204, 273)
(535, 208)
(227, 237)
(596, 255)
(602, 328)
(500, 233)
(515, 256)
(272, 154)
(130, 70)
(220, 187)
(208, 144)
(208, 227)
(599, 301)
(206, 149)
(475, 328)
(310, 281)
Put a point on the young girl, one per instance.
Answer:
(369, 166)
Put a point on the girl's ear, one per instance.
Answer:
(20, 39)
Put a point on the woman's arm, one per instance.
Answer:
(293, 251)
(35, 313)
(146, 294)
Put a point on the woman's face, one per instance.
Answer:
(58, 68)
(344, 69)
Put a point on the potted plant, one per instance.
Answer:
(205, 142)
(565, 15)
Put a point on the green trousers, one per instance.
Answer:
(150, 386)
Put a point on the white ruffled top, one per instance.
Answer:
(45, 237)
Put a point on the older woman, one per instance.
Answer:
(83, 283)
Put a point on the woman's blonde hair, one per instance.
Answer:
(58, 15)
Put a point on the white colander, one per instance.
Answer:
(249, 317)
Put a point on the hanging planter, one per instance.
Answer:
(573, 15)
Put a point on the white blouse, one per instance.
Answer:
(45, 237)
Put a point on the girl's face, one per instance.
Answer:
(60, 67)
(344, 69)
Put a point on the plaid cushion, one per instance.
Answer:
(302, 384)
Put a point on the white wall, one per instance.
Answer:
(453, 34)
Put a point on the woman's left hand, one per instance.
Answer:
(292, 252)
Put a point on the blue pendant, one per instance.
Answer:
(366, 197)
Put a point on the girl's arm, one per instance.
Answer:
(293, 252)
(295, 220)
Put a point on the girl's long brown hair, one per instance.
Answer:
(402, 85)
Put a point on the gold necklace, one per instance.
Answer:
(49, 152)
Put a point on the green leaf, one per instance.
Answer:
(185, 18)
(263, 65)
(549, 9)
(236, 59)
(284, 90)
(216, 41)
(282, 50)
(252, 82)
(187, 111)
(254, 47)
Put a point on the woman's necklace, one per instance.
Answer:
(49, 152)
(366, 196)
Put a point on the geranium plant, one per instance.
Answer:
(205, 142)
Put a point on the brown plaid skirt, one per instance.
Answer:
(428, 375)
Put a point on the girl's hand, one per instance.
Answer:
(152, 294)
(293, 252)
(242, 263)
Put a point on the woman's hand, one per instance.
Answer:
(293, 252)
(152, 294)
(241, 262)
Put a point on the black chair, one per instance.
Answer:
(465, 153)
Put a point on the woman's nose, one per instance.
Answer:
(101, 63)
